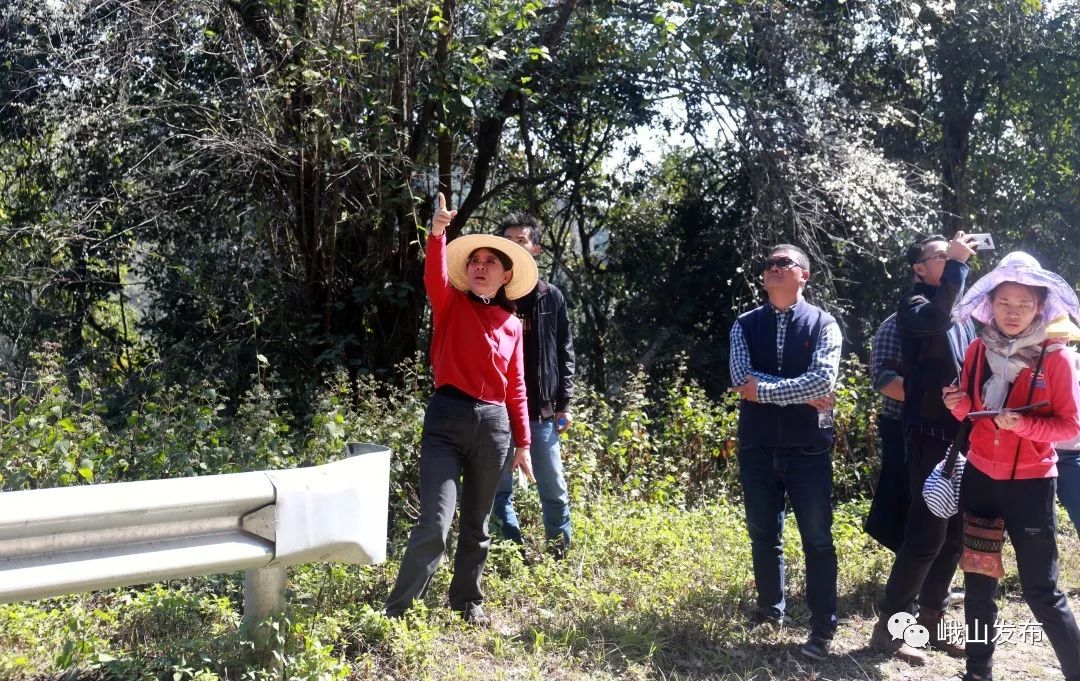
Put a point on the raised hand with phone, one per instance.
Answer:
(961, 247)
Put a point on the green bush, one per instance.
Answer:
(673, 444)
(48, 437)
(653, 478)
(856, 456)
(667, 443)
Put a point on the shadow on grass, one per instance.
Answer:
(697, 639)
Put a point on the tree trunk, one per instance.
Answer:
(956, 121)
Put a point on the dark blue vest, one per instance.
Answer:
(770, 425)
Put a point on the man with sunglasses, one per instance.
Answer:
(931, 350)
(785, 357)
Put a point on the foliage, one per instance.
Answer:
(658, 577)
(245, 181)
(203, 189)
(647, 591)
(211, 225)
(847, 128)
(672, 444)
(668, 443)
(48, 438)
(855, 451)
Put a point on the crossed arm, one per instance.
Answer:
(813, 387)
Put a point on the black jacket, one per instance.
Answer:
(932, 348)
(549, 349)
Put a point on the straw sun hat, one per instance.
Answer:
(525, 274)
(1062, 328)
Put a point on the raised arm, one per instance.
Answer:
(918, 315)
(436, 280)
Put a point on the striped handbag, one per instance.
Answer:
(941, 490)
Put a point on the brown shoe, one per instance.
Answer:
(882, 641)
(930, 619)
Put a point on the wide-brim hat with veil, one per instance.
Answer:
(1020, 268)
(525, 271)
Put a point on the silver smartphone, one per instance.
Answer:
(983, 242)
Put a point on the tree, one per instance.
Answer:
(266, 166)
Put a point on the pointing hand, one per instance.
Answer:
(441, 220)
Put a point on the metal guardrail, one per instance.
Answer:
(73, 539)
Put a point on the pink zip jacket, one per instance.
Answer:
(993, 450)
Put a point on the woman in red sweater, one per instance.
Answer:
(478, 405)
(1011, 472)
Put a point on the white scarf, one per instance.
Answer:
(1008, 356)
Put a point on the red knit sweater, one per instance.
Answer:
(475, 347)
(992, 449)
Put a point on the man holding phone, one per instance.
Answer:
(932, 350)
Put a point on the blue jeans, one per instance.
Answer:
(550, 484)
(1068, 490)
(768, 475)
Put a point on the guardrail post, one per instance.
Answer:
(264, 598)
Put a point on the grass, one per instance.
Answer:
(647, 592)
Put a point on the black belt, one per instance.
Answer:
(447, 390)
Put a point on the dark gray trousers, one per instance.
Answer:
(926, 560)
(462, 452)
(1027, 505)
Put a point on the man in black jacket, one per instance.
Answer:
(549, 385)
(932, 351)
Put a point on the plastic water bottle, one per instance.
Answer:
(825, 419)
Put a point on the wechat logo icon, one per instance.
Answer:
(902, 626)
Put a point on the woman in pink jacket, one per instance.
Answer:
(1011, 468)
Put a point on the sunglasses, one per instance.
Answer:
(783, 263)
